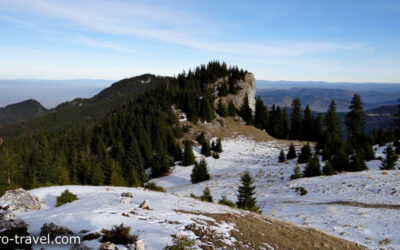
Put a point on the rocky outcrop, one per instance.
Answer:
(247, 87)
(19, 200)
(9, 220)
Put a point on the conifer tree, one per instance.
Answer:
(231, 109)
(285, 124)
(354, 120)
(389, 162)
(357, 162)
(296, 173)
(282, 156)
(188, 156)
(218, 146)
(313, 168)
(221, 109)
(305, 154)
(396, 123)
(340, 160)
(246, 192)
(206, 109)
(328, 169)
(97, 174)
(205, 148)
(296, 120)
(134, 164)
(206, 195)
(223, 90)
(308, 128)
(200, 172)
(331, 121)
(8, 167)
(245, 111)
(261, 115)
(292, 152)
(116, 178)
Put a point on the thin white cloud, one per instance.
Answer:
(160, 24)
(100, 44)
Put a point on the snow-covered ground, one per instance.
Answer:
(100, 207)
(334, 204)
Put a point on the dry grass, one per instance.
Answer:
(254, 231)
(233, 127)
(364, 205)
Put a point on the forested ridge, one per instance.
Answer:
(116, 150)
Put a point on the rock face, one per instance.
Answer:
(19, 200)
(247, 87)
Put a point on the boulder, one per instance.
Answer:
(127, 194)
(126, 200)
(9, 220)
(19, 200)
(138, 245)
(145, 205)
(108, 246)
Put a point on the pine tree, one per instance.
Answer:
(206, 109)
(8, 167)
(396, 123)
(308, 128)
(218, 146)
(206, 195)
(245, 111)
(389, 162)
(292, 152)
(354, 120)
(331, 121)
(340, 160)
(231, 109)
(305, 154)
(357, 162)
(296, 173)
(205, 148)
(188, 156)
(221, 109)
(200, 172)
(296, 120)
(246, 192)
(223, 90)
(328, 169)
(134, 164)
(282, 156)
(313, 168)
(261, 115)
(116, 178)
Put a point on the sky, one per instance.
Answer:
(302, 40)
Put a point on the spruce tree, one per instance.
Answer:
(296, 120)
(281, 156)
(200, 172)
(284, 121)
(328, 169)
(246, 192)
(331, 121)
(223, 90)
(261, 115)
(296, 173)
(292, 152)
(218, 146)
(245, 111)
(313, 168)
(231, 109)
(354, 120)
(308, 128)
(206, 195)
(134, 164)
(357, 162)
(305, 154)
(188, 156)
(205, 148)
(340, 160)
(221, 109)
(389, 162)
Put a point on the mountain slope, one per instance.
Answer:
(85, 111)
(211, 225)
(21, 111)
(359, 207)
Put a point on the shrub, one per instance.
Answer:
(206, 195)
(226, 202)
(154, 187)
(91, 236)
(301, 190)
(66, 197)
(296, 174)
(119, 235)
(181, 242)
(215, 155)
(54, 230)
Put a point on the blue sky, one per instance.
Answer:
(341, 40)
